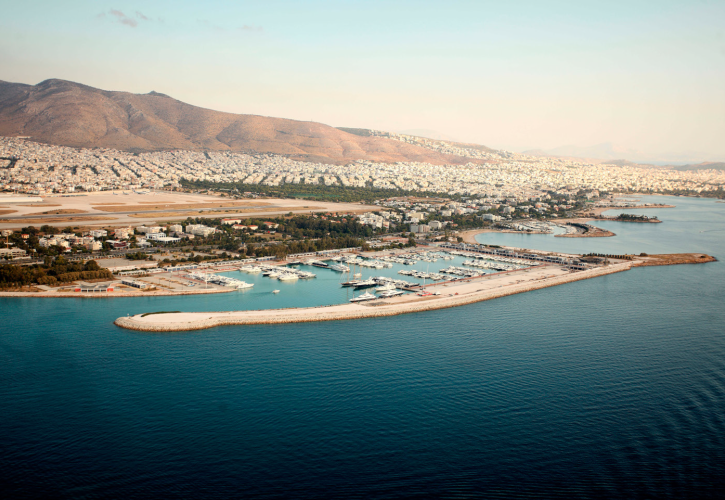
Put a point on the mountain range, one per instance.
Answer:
(611, 153)
(71, 114)
(604, 151)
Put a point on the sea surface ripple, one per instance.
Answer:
(611, 387)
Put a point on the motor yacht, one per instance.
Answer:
(363, 297)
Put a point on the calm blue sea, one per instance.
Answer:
(611, 387)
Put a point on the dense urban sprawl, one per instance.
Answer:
(36, 168)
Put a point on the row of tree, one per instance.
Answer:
(313, 192)
(51, 271)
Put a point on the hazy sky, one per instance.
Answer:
(646, 76)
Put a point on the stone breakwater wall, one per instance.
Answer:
(346, 311)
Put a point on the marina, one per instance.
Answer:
(599, 360)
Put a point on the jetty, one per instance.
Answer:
(434, 296)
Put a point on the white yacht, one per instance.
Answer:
(341, 268)
(244, 285)
(287, 277)
(385, 288)
(363, 297)
(390, 293)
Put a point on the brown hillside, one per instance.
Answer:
(70, 114)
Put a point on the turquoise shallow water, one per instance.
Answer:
(610, 387)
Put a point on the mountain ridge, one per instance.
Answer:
(67, 113)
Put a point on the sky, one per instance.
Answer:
(648, 77)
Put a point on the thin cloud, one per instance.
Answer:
(120, 17)
(248, 27)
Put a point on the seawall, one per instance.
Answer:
(170, 322)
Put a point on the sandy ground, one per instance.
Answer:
(106, 209)
(470, 235)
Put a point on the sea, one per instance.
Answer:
(612, 387)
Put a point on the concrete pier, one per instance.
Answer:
(450, 296)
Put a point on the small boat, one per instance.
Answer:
(275, 291)
(363, 297)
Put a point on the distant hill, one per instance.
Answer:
(604, 151)
(71, 114)
(429, 134)
(703, 166)
(364, 132)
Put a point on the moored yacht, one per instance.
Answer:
(365, 284)
(363, 297)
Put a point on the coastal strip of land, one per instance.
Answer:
(457, 295)
(437, 296)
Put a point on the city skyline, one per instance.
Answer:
(517, 77)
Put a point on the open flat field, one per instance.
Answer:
(149, 205)
(109, 209)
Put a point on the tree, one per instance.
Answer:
(92, 265)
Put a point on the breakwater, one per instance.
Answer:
(202, 320)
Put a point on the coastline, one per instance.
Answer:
(469, 236)
(198, 321)
(472, 291)
(110, 295)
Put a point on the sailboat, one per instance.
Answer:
(352, 282)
